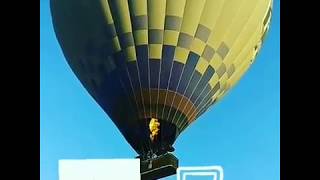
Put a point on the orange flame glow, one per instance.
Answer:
(154, 128)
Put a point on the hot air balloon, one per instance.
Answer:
(155, 66)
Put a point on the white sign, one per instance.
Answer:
(99, 169)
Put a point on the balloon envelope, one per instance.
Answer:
(164, 59)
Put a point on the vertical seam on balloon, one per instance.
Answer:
(126, 63)
(148, 75)
(128, 96)
(208, 100)
(159, 74)
(161, 59)
(192, 73)
(128, 74)
(210, 60)
(183, 95)
(149, 90)
(221, 76)
(207, 67)
(142, 98)
(177, 109)
(218, 92)
(165, 100)
(189, 83)
(138, 68)
(122, 50)
(183, 21)
(126, 66)
(192, 112)
(199, 110)
(235, 41)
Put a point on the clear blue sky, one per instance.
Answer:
(240, 133)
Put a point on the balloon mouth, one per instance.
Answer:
(157, 138)
(167, 117)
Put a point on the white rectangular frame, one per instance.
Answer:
(200, 171)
